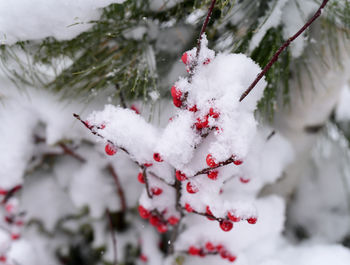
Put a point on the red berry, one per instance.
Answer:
(192, 250)
(156, 191)
(3, 191)
(193, 109)
(208, 212)
(232, 258)
(110, 149)
(175, 93)
(148, 164)
(88, 125)
(252, 220)
(191, 188)
(233, 217)
(173, 220)
(210, 161)
(180, 176)
(3, 258)
(143, 257)
(141, 178)
(237, 162)
(188, 208)
(102, 126)
(157, 157)
(213, 174)
(177, 102)
(210, 246)
(219, 248)
(15, 236)
(224, 254)
(154, 220)
(202, 123)
(184, 58)
(207, 61)
(243, 180)
(162, 228)
(134, 108)
(226, 225)
(144, 213)
(214, 113)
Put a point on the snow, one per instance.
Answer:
(342, 111)
(22, 20)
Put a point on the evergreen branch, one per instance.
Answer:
(281, 49)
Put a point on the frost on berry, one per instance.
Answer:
(157, 157)
(191, 188)
(210, 161)
(252, 220)
(156, 191)
(213, 174)
(231, 215)
(180, 176)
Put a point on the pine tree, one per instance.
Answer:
(200, 155)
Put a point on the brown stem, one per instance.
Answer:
(279, 51)
(221, 164)
(119, 187)
(204, 26)
(207, 215)
(70, 152)
(114, 239)
(149, 194)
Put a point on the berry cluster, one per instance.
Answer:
(211, 249)
(157, 220)
(13, 217)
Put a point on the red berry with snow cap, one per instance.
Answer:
(226, 225)
(156, 191)
(233, 217)
(213, 174)
(144, 213)
(208, 212)
(202, 123)
(193, 109)
(210, 161)
(154, 220)
(191, 188)
(252, 220)
(110, 149)
(157, 157)
(213, 113)
(180, 176)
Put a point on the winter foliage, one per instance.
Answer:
(124, 142)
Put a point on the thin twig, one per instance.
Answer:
(279, 51)
(221, 164)
(70, 152)
(119, 187)
(207, 215)
(114, 239)
(199, 42)
(149, 194)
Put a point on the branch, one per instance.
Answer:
(114, 239)
(119, 187)
(221, 164)
(204, 26)
(159, 178)
(207, 215)
(279, 51)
